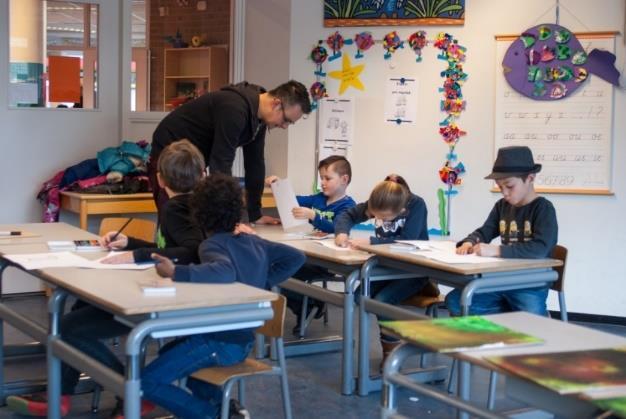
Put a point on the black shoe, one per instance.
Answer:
(237, 411)
(320, 310)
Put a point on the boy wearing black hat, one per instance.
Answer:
(527, 226)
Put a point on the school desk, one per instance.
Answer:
(348, 264)
(558, 336)
(507, 274)
(196, 308)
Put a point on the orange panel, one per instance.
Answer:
(64, 77)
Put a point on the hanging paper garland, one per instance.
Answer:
(452, 104)
(335, 42)
(417, 42)
(391, 43)
(318, 56)
(363, 42)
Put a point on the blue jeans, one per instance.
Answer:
(84, 328)
(393, 293)
(181, 358)
(532, 300)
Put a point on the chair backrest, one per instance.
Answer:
(560, 253)
(275, 327)
(138, 227)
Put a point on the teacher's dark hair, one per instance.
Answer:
(293, 93)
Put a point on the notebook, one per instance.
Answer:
(597, 373)
(455, 334)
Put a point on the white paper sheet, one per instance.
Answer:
(331, 245)
(285, 202)
(95, 264)
(48, 260)
(401, 101)
(453, 258)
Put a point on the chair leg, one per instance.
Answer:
(241, 392)
(95, 399)
(228, 387)
(326, 311)
(452, 376)
(303, 319)
(562, 306)
(493, 383)
(283, 378)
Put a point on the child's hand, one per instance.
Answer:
(164, 267)
(125, 257)
(341, 240)
(243, 228)
(121, 241)
(267, 220)
(484, 249)
(271, 179)
(355, 243)
(303, 213)
(465, 248)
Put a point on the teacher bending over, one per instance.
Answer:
(219, 122)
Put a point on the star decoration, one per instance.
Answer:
(348, 75)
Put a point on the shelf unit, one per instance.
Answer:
(197, 69)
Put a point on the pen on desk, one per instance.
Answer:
(120, 230)
(10, 233)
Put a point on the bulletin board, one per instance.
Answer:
(572, 137)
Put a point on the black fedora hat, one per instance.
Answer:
(513, 161)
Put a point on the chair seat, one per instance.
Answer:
(219, 375)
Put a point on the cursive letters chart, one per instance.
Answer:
(570, 137)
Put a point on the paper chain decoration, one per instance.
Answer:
(452, 102)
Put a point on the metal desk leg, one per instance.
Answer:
(55, 310)
(364, 346)
(3, 266)
(132, 382)
(347, 358)
(392, 367)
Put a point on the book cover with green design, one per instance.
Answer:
(599, 374)
(456, 334)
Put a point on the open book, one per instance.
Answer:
(455, 334)
(598, 374)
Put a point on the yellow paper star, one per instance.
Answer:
(348, 75)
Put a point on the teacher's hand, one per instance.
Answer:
(267, 220)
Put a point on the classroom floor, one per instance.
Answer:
(314, 380)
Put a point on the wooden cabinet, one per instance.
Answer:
(193, 72)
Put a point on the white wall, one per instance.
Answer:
(594, 272)
(267, 64)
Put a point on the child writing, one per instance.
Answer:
(322, 208)
(527, 226)
(180, 168)
(398, 215)
(225, 257)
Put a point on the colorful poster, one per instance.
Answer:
(393, 12)
(401, 101)
(456, 334)
(592, 372)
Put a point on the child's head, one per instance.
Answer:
(387, 200)
(335, 174)
(399, 180)
(180, 166)
(217, 203)
(514, 172)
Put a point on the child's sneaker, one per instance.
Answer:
(118, 410)
(35, 404)
(237, 411)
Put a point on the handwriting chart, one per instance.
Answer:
(570, 137)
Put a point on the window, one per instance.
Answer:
(53, 54)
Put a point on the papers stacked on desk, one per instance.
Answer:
(598, 374)
(455, 334)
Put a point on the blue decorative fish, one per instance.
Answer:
(547, 62)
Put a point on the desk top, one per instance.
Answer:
(558, 336)
(118, 290)
(311, 248)
(43, 232)
(460, 268)
(112, 197)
